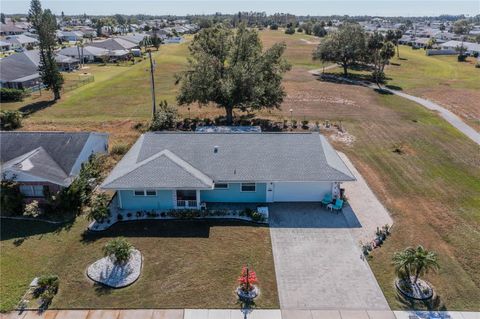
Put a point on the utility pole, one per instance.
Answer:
(152, 78)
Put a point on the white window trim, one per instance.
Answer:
(144, 192)
(242, 191)
(221, 189)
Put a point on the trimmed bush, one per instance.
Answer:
(119, 249)
(10, 120)
(164, 118)
(11, 95)
(99, 210)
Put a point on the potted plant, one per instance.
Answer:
(247, 290)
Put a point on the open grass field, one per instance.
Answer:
(185, 264)
(432, 188)
(441, 79)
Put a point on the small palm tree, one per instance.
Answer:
(424, 261)
(417, 261)
(119, 249)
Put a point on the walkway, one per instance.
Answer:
(237, 314)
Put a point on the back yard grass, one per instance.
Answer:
(186, 264)
(432, 187)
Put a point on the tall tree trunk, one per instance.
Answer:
(229, 112)
(345, 71)
(56, 94)
(398, 50)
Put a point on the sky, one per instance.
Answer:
(312, 7)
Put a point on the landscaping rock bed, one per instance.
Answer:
(419, 291)
(197, 214)
(106, 272)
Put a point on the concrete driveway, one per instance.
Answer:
(318, 262)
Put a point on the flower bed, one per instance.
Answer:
(244, 215)
(420, 290)
(106, 272)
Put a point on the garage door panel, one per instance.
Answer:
(300, 191)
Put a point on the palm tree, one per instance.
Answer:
(424, 261)
(417, 261)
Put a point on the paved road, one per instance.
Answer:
(317, 261)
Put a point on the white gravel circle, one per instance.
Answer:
(104, 271)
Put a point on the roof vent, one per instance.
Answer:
(215, 149)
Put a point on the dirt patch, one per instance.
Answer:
(310, 42)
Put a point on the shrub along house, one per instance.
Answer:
(46, 161)
(167, 170)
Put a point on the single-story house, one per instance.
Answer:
(137, 38)
(470, 47)
(170, 170)
(10, 29)
(89, 53)
(47, 161)
(113, 44)
(5, 46)
(20, 41)
(20, 70)
(70, 36)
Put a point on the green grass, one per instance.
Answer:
(433, 192)
(186, 264)
(416, 70)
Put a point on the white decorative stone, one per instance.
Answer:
(106, 272)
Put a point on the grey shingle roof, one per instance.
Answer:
(19, 65)
(114, 44)
(63, 147)
(240, 157)
(87, 50)
(40, 164)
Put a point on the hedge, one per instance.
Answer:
(11, 95)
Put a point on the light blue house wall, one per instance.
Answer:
(234, 195)
(163, 200)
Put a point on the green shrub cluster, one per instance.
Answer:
(10, 120)
(119, 249)
(164, 118)
(11, 95)
(11, 200)
(47, 289)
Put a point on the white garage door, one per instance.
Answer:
(300, 191)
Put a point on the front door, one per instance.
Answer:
(270, 190)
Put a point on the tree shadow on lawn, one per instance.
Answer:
(101, 290)
(20, 230)
(36, 106)
(394, 87)
(161, 228)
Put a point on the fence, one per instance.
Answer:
(441, 52)
(81, 81)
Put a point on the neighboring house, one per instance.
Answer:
(4, 46)
(470, 47)
(169, 170)
(89, 53)
(10, 29)
(20, 70)
(20, 41)
(47, 161)
(137, 38)
(70, 36)
(113, 44)
(173, 40)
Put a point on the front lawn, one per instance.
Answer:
(186, 264)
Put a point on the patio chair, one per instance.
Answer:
(327, 199)
(338, 206)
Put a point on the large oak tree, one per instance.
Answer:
(230, 69)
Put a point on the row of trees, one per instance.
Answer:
(351, 45)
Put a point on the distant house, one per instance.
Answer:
(114, 44)
(89, 53)
(167, 170)
(44, 162)
(470, 47)
(5, 46)
(137, 38)
(10, 29)
(20, 41)
(173, 40)
(20, 70)
(70, 36)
